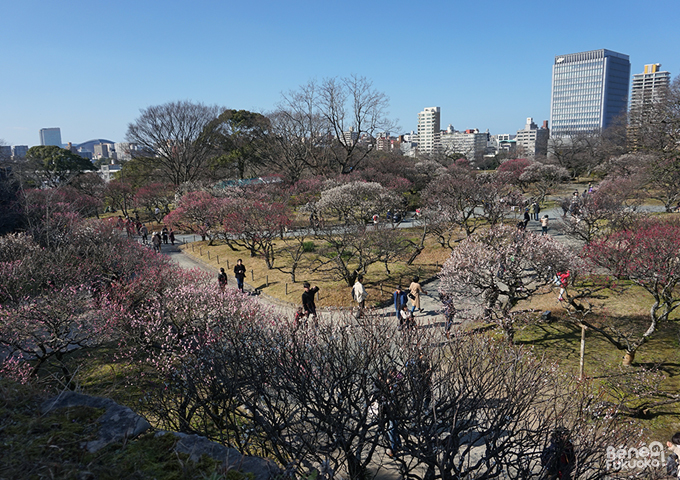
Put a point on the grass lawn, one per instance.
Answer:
(560, 342)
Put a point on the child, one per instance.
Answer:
(406, 319)
(300, 317)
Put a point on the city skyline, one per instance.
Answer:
(486, 68)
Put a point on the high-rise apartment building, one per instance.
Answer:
(428, 130)
(649, 87)
(589, 90)
(50, 136)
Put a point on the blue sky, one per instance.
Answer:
(89, 67)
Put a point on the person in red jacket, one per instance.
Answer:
(563, 278)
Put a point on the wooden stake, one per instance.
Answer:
(583, 352)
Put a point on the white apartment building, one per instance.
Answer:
(531, 140)
(428, 130)
(471, 143)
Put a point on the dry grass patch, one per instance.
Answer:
(333, 292)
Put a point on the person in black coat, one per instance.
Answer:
(308, 304)
(240, 273)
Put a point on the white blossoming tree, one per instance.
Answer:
(503, 267)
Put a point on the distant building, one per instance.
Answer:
(384, 143)
(408, 144)
(351, 137)
(531, 140)
(589, 90)
(103, 150)
(471, 143)
(106, 172)
(19, 151)
(124, 151)
(5, 153)
(502, 143)
(428, 130)
(649, 87)
(50, 136)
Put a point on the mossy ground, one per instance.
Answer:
(35, 446)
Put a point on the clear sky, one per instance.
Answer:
(90, 66)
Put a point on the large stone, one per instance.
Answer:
(195, 446)
(117, 424)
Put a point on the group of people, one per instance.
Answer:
(401, 300)
(239, 273)
(531, 213)
(131, 227)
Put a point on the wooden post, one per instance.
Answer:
(227, 264)
(218, 259)
(194, 238)
(252, 275)
(208, 254)
(266, 282)
(286, 288)
(200, 251)
(381, 290)
(583, 352)
(192, 247)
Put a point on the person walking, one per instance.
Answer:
(400, 298)
(359, 294)
(164, 235)
(222, 279)
(562, 280)
(240, 273)
(308, 304)
(156, 242)
(537, 210)
(414, 292)
(527, 218)
(544, 224)
(172, 236)
(449, 311)
(145, 234)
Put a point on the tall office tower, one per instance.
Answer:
(649, 87)
(428, 130)
(50, 136)
(589, 90)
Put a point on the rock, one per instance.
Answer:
(195, 446)
(117, 424)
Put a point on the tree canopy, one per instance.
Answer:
(54, 165)
(173, 138)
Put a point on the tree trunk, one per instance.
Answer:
(628, 358)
